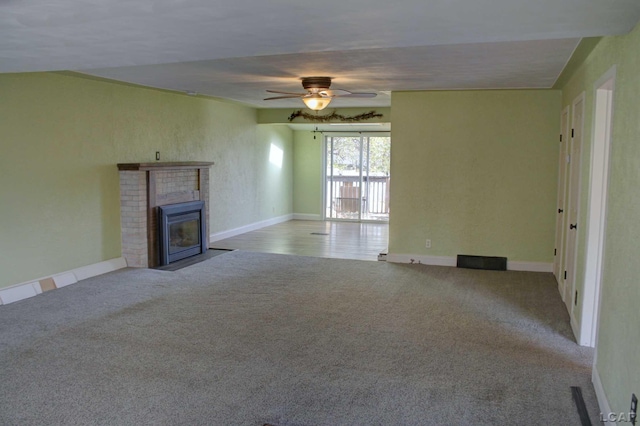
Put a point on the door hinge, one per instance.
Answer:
(560, 137)
(565, 275)
(555, 252)
(575, 301)
(572, 133)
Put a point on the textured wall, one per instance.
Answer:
(476, 172)
(62, 137)
(307, 173)
(618, 347)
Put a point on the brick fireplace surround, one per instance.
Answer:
(144, 187)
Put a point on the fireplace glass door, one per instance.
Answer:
(181, 231)
(185, 233)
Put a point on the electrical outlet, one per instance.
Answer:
(633, 411)
(428, 243)
(157, 155)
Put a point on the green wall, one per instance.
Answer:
(618, 346)
(475, 172)
(307, 173)
(62, 136)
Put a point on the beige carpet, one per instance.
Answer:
(249, 339)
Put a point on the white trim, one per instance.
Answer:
(323, 178)
(306, 216)
(248, 228)
(99, 268)
(530, 266)
(597, 213)
(452, 261)
(64, 279)
(417, 258)
(28, 289)
(603, 402)
(19, 292)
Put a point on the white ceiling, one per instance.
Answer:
(237, 49)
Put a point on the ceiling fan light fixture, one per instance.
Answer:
(316, 102)
(318, 95)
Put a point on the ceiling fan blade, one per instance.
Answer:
(319, 87)
(283, 97)
(357, 95)
(286, 93)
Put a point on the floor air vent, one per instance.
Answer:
(482, 262)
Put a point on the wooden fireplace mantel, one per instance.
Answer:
(165, 165)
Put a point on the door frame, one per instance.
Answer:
(604, 89)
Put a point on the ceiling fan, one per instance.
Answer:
(318, 94)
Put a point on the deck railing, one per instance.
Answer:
(346, 193)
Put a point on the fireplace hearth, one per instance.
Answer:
(181, 231)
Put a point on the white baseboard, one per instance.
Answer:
(248, 228)
(32, 288)
(530, 266)
(603, 402)
(452, 261)
(64, 279)
(19, 292)
(99, 268)
(306, 216)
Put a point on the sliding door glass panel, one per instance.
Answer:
(357, 177)
(376, 177)
(344, 175)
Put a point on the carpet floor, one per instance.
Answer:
(249, 338)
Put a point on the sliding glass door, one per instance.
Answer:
(357, 178)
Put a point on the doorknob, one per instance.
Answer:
(572, 226)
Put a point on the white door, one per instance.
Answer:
(558, 260)
(573, 208)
